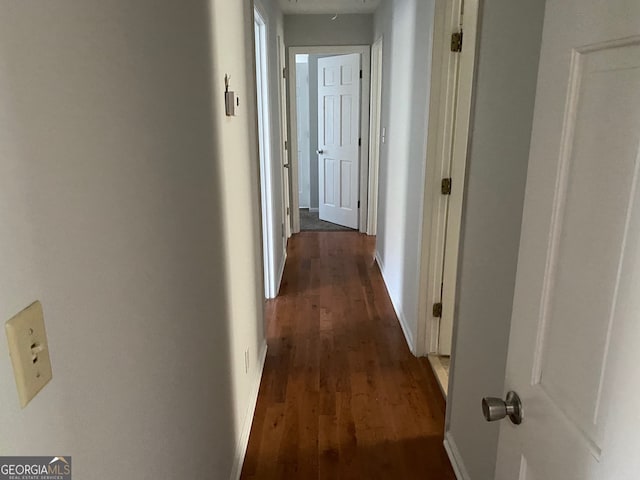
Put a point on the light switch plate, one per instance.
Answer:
(29, 352)
(230, 104)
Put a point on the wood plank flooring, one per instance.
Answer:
(341, 394)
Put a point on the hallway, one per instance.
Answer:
(341, 394)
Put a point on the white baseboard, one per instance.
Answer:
(401, 318)
(314, 209)
(455, 458)
(243, 441)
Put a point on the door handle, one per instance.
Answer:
(319, 152)
(495, 409)
(286, 165)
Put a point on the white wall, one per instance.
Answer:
(125, 198)
(275, 27)
(407, 28)
(304, 134)
(236, 142)
(496, 174)
(313, 128)
(320, 30)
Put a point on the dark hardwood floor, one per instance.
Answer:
(341, 395)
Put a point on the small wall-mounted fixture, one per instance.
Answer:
(29, 352)
(229, 98)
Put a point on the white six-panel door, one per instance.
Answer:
(338, 137)
(574, 352)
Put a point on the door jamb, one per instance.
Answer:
(264, 150)
(365, 65)
(436, 208)
(286, 180)
(374, 132)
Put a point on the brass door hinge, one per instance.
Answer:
(445, 186)
(437, 310)
(456, 41)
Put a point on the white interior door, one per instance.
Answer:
(338, 139)
(574, 351)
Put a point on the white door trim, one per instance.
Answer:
(286, 181)
(365, 65)
(449, 111)
(374, 131)
(264, 135)
(304, 123)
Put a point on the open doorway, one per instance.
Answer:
(309, 104)
(329, 112)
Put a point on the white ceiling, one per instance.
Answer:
(328, 6)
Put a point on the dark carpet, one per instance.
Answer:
(310, 222)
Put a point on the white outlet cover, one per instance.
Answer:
(29, 351)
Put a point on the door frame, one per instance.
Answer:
(264, 149)
(450, 111)
(303, 87)
(374, 134)
(365, 65)
(286, 181)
